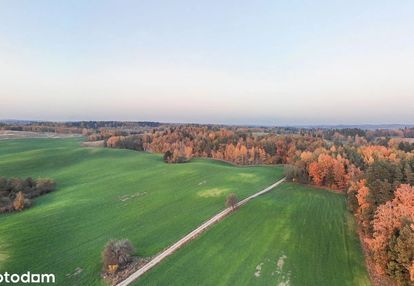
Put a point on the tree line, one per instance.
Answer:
(236, 146)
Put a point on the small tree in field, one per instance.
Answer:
(18, 203)
(116, 254)
(231, 201)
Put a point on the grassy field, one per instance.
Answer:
(295, 235)
(108, 194)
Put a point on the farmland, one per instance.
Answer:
(107, 194)
(294, 235)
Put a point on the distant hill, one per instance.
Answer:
(360, 126)
(16, 121)
(115, 123)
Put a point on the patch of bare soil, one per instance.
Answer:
(99, 143)
(124, 198)
(77, 271)
(282, 276)
(9, 134)
(122, 274)
(258, 270)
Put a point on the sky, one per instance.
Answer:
(232, 62)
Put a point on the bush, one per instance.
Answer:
(168, 156)
(117, 254)
(5, 201)
(27, 203)
(44, 186)
(177, 156)
(16, 193)
(134, 142)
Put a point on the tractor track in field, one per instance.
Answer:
(193, 234)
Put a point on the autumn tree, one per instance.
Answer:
(329, 171)
(188, 152)
(364, 211)
(113, 141)
(18, 203)
(339, 173)
(375, 152)
(390, 218)
(316, 173)
(382, 179)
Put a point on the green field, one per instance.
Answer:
(294, 235)
(107, 194)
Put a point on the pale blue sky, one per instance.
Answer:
(257, 62)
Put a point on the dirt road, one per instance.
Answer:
(157, 259)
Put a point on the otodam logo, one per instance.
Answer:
(26, 278)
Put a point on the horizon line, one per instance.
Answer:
(305, 125)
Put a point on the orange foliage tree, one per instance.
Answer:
(18, 203)
(329, 171)
(389, 217)
(363, 204)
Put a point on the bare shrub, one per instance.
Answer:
(296, 174)
(117, 254)
(231, 201)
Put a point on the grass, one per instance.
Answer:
(107, 194)
(294, 235)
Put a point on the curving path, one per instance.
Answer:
(196, 232)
